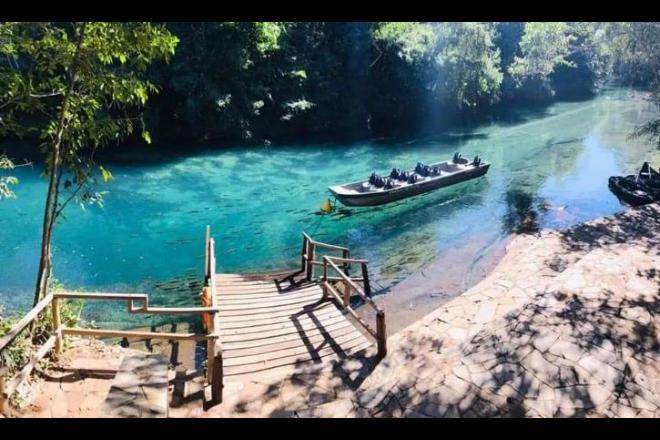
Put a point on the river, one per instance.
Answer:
(549, 170)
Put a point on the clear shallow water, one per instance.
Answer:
(549, 170)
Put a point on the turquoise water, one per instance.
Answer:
(549, 170)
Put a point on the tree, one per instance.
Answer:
(544, 46)
(225, 82)
(79, 87)
(634, 54)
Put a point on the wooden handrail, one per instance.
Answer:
(349, 260)
(27, 369)
(214, 360)
(206, 252)
(58, 332)
(355, 287)
(380, 333)
(324, 245)
(24, 322)
(131, 297)
(101, 333)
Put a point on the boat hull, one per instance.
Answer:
(381, 198)
(633, 192)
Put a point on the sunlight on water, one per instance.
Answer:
(549, 169)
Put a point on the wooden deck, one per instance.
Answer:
(266, 325)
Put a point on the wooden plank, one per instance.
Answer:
(230, 341)
(134, 334)
(27, 319)
(294, 361)
(264, 290)
(266, 331)
(280, 302)
(274, 312)
(224, 301)
(27, 369)
(177, 310)
(286, 342)
(261, 295)
(249, 288)
(278, 316)
(240, 280)
(347, 340)
(102, 295)
(249, 327)
(261, 312)
(250, 299)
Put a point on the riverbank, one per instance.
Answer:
(566, 325)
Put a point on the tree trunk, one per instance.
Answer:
(54, 171)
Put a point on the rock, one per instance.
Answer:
(486, 312)
(567, 350)
(543, 342)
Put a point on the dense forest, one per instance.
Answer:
(261, 81)
(231, 83)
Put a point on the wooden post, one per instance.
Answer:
(57, 325)
(310, 258)
(382, 334)
(347, 293)
(207, 269)
(302, 253)
(365, 280)
(210, 353)
(345, 254)
(325, 278)
(3, 401)
(217, 377)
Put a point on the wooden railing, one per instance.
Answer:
(8, 389)
(136, 303)
(308, 255)
(214, 362)
(342, 266)
(344, 298)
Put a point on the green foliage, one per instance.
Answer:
(18, 353)
(6, 181)
(544, 47)
(106, 75)
(246, 82)
(468, 63)
(633, 53)
(412, 42)
(458, 61)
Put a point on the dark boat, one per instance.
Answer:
(402, 184)
(639, 189)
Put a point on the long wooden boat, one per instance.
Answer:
(378, 191)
